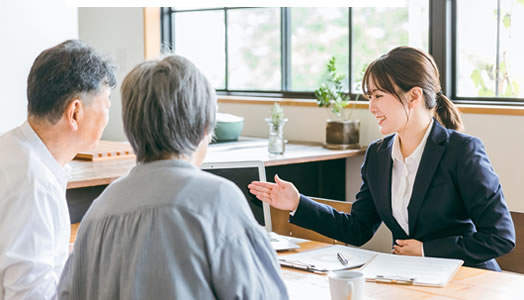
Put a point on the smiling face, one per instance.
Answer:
(390, 113)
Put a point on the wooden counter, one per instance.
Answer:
(88, 173)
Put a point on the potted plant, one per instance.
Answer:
(276, 144)
(341, 132)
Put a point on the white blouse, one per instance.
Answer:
(403, 178)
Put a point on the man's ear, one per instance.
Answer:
(415, 97)
(74, 113)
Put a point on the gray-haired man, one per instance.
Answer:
(68, 91)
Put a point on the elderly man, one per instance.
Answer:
(169, 230)
(68, 91)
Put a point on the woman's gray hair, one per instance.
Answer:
(168, 107)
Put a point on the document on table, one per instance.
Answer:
(377, 266)
(417, 270)
(327, 259)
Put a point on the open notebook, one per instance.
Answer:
(242, 173)
(377, 266)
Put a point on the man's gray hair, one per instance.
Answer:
(61, 73)
(168, 107)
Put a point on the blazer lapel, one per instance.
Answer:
(384, 163)
(428, 165)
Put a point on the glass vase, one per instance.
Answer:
(276, 143)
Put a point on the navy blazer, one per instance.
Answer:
(457, 208)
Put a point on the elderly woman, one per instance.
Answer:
(169, 230)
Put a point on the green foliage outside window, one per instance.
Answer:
(487, 79)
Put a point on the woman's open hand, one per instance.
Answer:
(281, 194)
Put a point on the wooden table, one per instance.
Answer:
(468, 283)
(87, 173)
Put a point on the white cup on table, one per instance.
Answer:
(346, 285)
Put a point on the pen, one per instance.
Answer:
(342, 259)
(302, 266)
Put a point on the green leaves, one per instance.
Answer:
(516, 87)
(277, 115)
(331, 65)
(506, 20)
(497, 81)
(331, 94)
(484, 79)
(512, 89)
(478, 81)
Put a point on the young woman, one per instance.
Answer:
(433, 186)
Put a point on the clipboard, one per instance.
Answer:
(412, 270)
(376, 266)
(324, 260)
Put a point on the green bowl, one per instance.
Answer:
(228, 128)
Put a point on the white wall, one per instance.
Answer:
(119, 34)
(26, 28)
(503, 137)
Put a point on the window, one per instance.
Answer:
(203, 45)
(284, 51)
(254, 49)
(316, 35)
(378, 30)
(489, 49)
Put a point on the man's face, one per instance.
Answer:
(96, 116)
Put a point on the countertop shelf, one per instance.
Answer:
(93, 173)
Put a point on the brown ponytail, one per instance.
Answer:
(447, 113)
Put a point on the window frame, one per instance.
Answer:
(498, 101)
(441, 43)
(167, 16)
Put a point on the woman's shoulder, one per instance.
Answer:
(381, 143)
(463, 140)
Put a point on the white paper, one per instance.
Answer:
(326, 258)
(424, 270)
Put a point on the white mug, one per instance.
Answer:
(346, 285)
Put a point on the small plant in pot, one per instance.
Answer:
(276, 124)
(341, 132)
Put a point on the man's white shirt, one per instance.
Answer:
(34, 218)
